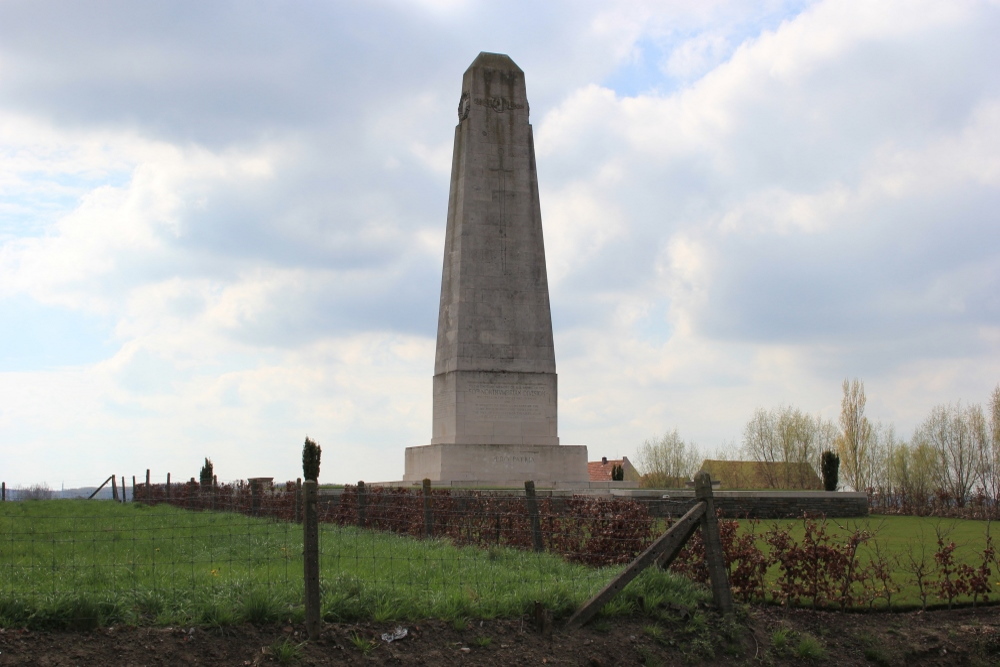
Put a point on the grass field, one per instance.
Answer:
(86, 563)
(70, 563)
(904, 540)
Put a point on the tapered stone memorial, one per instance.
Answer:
(495, 391)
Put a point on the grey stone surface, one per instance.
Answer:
(494, 370)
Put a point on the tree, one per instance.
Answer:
(785, 435)
(206, 474)
(311, 453)
(664, 459)
(911, 469)
(993, 455)
(831, 470)
(950, 431)
(854, 442)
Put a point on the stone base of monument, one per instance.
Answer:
(497, 465)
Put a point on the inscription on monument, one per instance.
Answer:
(507, 401)
(500, 458)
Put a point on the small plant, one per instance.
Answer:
(363, 644)
(658, 635)
(483, 642)
(809, 648)
(217, 615)
(311, 453)
(647, 658)
(873, 650)
(258, 607)
(781, 639)
(600, 625)
(286, 652)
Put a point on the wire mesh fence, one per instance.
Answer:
(224, 553)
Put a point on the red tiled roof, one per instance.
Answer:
(600, 471)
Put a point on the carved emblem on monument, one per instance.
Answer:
(463, 107)
(498, 104)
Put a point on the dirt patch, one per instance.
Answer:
(769, 636)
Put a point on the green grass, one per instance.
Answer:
(86, 564)
(903, 537)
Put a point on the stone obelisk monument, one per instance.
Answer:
(495, 393)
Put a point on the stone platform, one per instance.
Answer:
(497, 465)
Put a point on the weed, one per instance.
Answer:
(657, 634)
(647, 658)
(460, 624)
(363, 644)
(259, 607)
(601, 625)
(781, 639)
(878, 655)
(217, 615)
(483, 642)
(809, 648)
(287, 651)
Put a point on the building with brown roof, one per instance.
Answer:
(600, 471)
(763, 475)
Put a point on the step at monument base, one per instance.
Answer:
(496, 463)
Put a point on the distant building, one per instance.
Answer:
(600, 471)
(763, 475)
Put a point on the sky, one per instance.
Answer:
(222, 222)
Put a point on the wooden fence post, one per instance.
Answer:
(168, 487)
(310, 557)
(255, 497)
(133, 488)
(3, 491)
(536, 526)
(298, 500)
(114, 488)
(428, 514)
(714, 556)
(148, 494)
(362, 505)
(124, 497)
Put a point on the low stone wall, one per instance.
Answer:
(758, 504)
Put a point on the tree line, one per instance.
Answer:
(952, 457)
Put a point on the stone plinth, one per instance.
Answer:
(498, 465)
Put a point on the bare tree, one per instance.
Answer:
(948, 431)
(855, 437)
(875, 466)
(912, 469)
(664, 459)
(991, 481)
(785, 435)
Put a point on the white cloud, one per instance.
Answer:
(806, 193)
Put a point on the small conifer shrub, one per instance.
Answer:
(207, 473)
(830, 466)
(310, 460)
